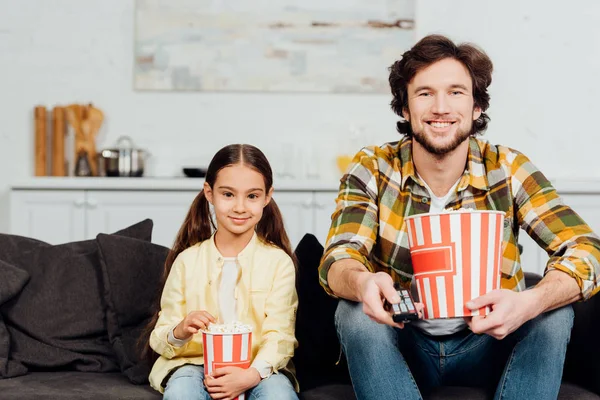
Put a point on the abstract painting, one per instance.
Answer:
(327, 46)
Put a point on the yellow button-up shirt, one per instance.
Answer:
(266, 300)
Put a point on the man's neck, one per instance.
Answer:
(440, 172)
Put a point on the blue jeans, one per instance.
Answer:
(390, 363)
(187, 383)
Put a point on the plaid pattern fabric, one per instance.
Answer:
(381, 188)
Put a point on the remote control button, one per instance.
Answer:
(403, 308)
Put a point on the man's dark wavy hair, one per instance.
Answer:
(429, 50)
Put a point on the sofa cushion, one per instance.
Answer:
(73, 385)
(57, 320)
(336, 391)
(132, 275)
(13, 280)
(318, 352)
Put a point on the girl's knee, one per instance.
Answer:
(186, 383)
(277, 386)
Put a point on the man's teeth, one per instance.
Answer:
(440, 124)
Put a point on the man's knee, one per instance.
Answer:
(553, 326)
(353, 325)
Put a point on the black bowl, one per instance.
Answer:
(195, 172)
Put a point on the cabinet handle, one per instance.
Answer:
(91, 203)
(307, 204)
(79, 203)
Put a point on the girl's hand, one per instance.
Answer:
(192, 324)
(229, 382)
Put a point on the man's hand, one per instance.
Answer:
(510, 310)
(374, 289)
(192, 324)
(229, 382)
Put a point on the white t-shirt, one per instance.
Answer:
(442, 326)
(227, 300)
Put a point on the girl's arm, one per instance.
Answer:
(278, 327)
(172, 312)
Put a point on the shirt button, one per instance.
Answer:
(424, 200)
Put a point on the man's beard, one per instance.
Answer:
(428, 145)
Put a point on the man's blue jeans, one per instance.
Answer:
(390, 363)
(187, 383)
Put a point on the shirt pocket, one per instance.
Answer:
(258, 301)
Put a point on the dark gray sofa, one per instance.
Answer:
(70, 316)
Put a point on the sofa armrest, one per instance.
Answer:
(532, 279)
(581, 364)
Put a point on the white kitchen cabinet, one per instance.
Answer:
(306, 212)
(60, 210)
(60, 216)
(297, 211)
(54, 216)
(324, 206)
(109, 211)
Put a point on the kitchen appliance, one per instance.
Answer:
(123, 160)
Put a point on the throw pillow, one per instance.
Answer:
(316, 358)
(57, 321)
(13, 280)
(132, 276)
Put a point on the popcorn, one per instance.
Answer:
(232, 327)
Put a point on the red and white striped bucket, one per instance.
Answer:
(456, 257)
(226, 350)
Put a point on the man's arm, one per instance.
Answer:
(555, 290)
(345, 278)
(573, 268)
(351, 280)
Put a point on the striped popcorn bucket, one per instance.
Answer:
(226, 350)
(456, 257)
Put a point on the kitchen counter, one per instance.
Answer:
(158, 184)
(187, 184)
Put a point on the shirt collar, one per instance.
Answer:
(474, 174)
(245, 254)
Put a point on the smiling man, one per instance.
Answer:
(517, 351)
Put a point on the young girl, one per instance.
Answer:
(243, 272)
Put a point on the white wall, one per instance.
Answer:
(65, 51)
(545, 90)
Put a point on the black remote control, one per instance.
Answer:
(404, 311)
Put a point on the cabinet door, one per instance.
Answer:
(53, 216)
(297, 211)
(324, 206)
(110, 211)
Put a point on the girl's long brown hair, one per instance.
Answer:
(199, 225)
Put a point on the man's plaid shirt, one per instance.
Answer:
(381, 188)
